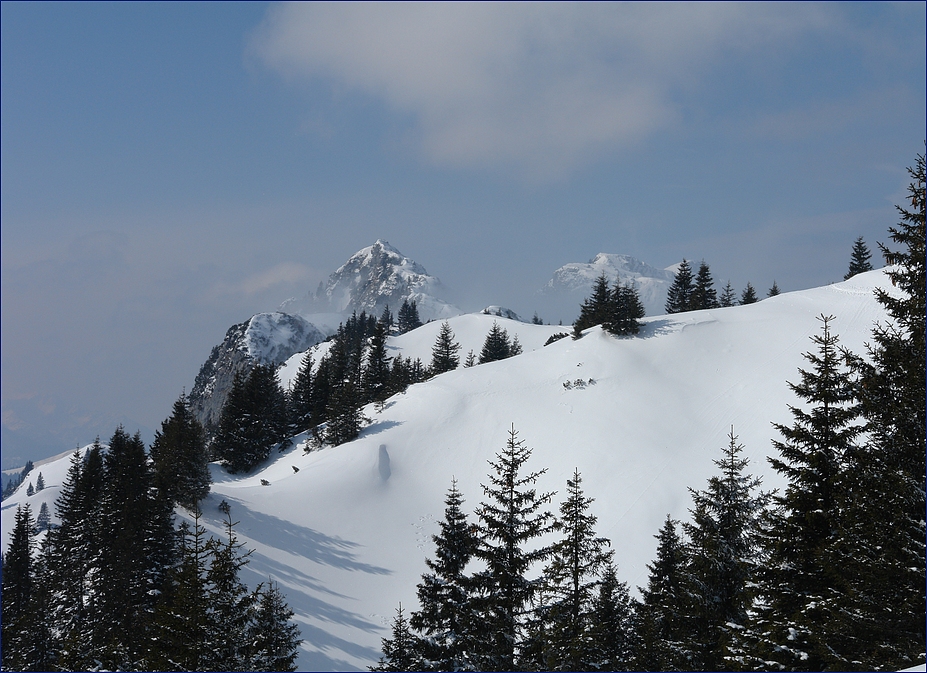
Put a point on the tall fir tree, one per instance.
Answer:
(408, 318)
(662, 617)
(401, 650)
(626, 310)
(301, 398)
(18, 591)
(272, 636)
(859, 259)
(880, 617)
(748, 296)
(797, 587)
(181, 463)
(703, 292)
(577, 560)
(725, 552)
(613, 635)
(445, 616)
(496, 346)
(445, 353)
(511, 521)
(679, 295)
(597, 309)
(377, 372)
(728, 296)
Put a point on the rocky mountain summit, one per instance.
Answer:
(374, 277)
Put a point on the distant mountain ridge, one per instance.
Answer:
(573, 282)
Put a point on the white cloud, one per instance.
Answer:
(538, 88)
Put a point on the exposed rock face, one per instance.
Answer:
(266, 338)
(573, 282)
(372, 278)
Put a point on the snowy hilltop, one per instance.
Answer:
(572, 283)
(374, 277)
(264, 339)
(345, 530)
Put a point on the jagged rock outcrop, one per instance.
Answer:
(266, 338)
(372, 278)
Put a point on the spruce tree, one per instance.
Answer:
(471, 360)
(510, 523)
(230, 605)
(728, 297)
(797, 587)
(880, 616)
(773, 291)
(496, 345)
(703, 293)
(39, 483)
(377, 372)
(626, 310)
(272, 637)
(577, 560)
(662, 618)
(302, 402)
(445, 615)
(408, 319)
(679, 296)
(748, 296)
(181, 464)
(859, 259)
(597, 309)
(18, 590)
(724, 554)
(444, 354)
(613, 636)
(401, 651)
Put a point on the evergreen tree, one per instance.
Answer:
(626, 310)
(136, 549)
(597, 309)
(30, 491)
(344, 415)
(445, 616)
(773, 291)
(797, 587)
(577, 560)
(253, 420)
(725, 551)
(43, 520)
(401, 652)
(230, 605)
(496, 346)
(703, 293)
(272, 637)
(377, 373)
(180, 625)
(444, 357)
(662, 618)
(679, 296)
(302, 401)
(880, 616)
(535, 320)
(39, 483)
(728, 297)
(515, 348)
(18, 590)
(859, 259)
(748, 296)
(509, 524)
(613, 636)
(408, 319)
(181, 464)
(471, 360)
(386, 319)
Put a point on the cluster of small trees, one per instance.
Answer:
(618, 309)
(827, 575)
(115, 586)
(693, 293)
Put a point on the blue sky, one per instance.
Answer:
(170, 169)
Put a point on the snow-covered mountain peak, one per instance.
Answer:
(572, 282)
(372, 278)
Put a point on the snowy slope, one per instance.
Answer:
(346, 535)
